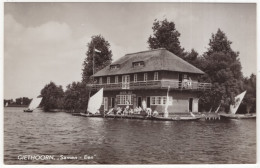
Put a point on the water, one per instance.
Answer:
(125, 141)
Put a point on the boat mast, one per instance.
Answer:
(92, 79)
(167, 103)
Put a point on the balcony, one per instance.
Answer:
(162, 84)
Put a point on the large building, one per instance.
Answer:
(146, 76)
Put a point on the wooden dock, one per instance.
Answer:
(211, 116)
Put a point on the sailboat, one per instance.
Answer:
(94, 105)
(6, 104)
(34, 104)
(233, 109)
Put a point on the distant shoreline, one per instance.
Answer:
(16, 105)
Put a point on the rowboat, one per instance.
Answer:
(178, 118)
(238, 116)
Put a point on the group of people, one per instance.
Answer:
(129, 111)
(187, 83)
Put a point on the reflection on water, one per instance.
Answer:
(124, 141)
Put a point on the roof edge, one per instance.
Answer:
(146, 51)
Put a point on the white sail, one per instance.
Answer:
(6, 104)
(238, 100)
(35, 103)
(166, 113)
(95, 102)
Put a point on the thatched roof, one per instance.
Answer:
(154, 60)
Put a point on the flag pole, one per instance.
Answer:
(94, 60)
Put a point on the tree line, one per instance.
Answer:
(220, 63)
(18, 102)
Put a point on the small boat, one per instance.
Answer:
(133, 116)
(238, 116)
(94, 105)
(34, 104)
(178, 118)
(233, 109)
(90, 115)
(76, 114)
(28, 110)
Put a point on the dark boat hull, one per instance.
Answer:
(126, 116)
(28, 111)
(76, 114)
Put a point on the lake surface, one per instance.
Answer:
(46, 137)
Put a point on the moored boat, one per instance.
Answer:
(133, 116)
(233, 109)
(177, 118)
(238, 116)
(94, 105)
(90, 115)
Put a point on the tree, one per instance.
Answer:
(223, 70)
(250, 97)
(18, 101)
(26, 101)
(193, 58)
(76, 97)
(101, 59)
(52, 97)
(166, 36)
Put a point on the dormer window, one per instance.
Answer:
(112, 67)
(138, 64)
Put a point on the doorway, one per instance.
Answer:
(105, 103)
(190, 104)
(112, 102)
(139, 102)
(148, 102)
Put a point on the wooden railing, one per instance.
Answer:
(162, 84)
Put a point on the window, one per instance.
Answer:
(124, 99)
(135, 77)
(116, 79)
(138, 64)
(160, 100)
(155, 76)
(153, 100)
(100, 80)
(164, 99)
(114, 67)
(145, 76)
(108, 80)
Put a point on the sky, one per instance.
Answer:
(46, 42)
